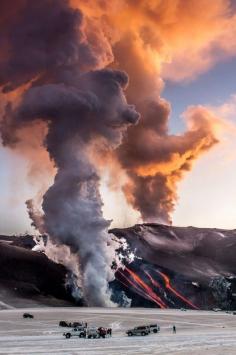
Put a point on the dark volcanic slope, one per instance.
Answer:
(198, 253)
(177, 267)
(31, 273)
(24, 241)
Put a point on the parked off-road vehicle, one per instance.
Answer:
(142, 330)
(154, 328)
(64, 323)
(92, 332)
(28, 315)
(77, 332)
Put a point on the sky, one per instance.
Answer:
(188, 57)
(207, 195)
(213, 88)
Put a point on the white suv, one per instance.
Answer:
(154, 328)
(78, 332)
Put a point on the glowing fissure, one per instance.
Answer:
(176, 293)
(141, 290)
(148, 289)
(147, 292)
(137, 288)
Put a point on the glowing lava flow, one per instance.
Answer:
(141, 290)
(154, 282)
(170, 288)
(137, 287)
(147, 289)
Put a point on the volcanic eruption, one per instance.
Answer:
(87, 76)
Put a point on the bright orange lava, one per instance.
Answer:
(170, 288)
(148, 289)
(141, 288)
(147, 292)
(137, 288)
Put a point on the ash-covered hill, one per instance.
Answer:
(200, 253)
(197, 263)
(173, 267)
(28, 277)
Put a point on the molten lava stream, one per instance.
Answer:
(154, 283)
(170, 288)
(137, 288)
(145, 287)
(140, 290)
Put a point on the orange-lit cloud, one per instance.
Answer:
(156, 163)
(180, 39)
(152, 40)
(207, 196)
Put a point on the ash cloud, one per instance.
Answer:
(156, 161)
(144, 46)
(44, 38)
(77, 116)
(79, 107)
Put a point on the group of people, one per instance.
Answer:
(104, 331)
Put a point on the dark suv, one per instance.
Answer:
(28, 315)
(142, 330)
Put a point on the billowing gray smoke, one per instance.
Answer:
(80, 107)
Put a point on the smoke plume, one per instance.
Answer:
(156, 161)
(79, 106)
(61, 73)
(151, 39)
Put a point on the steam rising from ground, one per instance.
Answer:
(60, 76)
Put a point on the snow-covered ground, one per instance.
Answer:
(198, 332)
